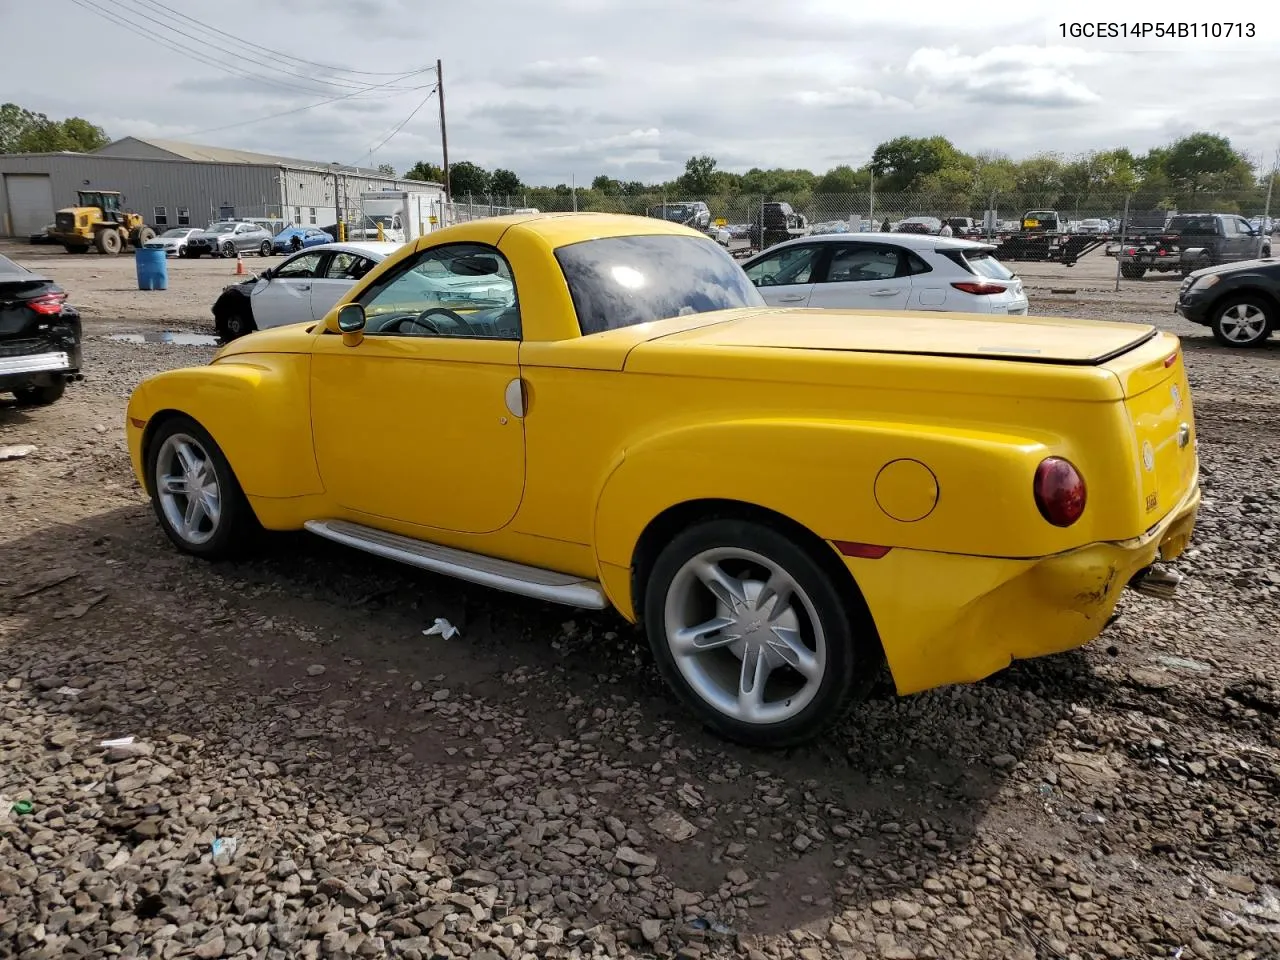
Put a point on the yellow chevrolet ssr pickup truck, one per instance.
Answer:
(600, 411)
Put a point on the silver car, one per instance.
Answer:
(173, 242)
(227, 238)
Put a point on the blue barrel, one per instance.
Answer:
(153, 269)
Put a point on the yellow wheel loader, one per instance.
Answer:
(98, 221)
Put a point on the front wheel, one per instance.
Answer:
(233, 324)
(1242, 321)
(194, 493)
(228, 249)
(1132, 271)
(754, 635)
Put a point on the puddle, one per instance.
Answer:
(181, 339)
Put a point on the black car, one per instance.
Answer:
(39, 336)
(1239, 302)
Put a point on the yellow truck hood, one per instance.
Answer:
(1030, 339)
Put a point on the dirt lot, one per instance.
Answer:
(528, 787)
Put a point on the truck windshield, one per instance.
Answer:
(623, 281)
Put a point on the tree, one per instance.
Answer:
(902, 163)
(1040, 175)
(466, 177)
(842, 179)
(23, 131)
(422, 170)
(699, 179)
(1205, 160)
(504, 183)
(386, 169)
(607, 186)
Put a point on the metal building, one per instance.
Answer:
(176, 184)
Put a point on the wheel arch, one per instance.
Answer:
(255, 408)
(1245, 290)
(661, 528)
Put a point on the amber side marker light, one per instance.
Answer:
(1059, 491)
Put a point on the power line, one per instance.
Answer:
(286, 113)
(400, 126)
(256, 59)
(202, 55)
(155, 4)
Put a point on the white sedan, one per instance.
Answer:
(886, 271)
(303, 287)
(173, 242)
(308, 284)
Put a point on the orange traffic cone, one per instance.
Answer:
(239, 265)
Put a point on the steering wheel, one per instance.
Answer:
(767, 280)
(445, 313)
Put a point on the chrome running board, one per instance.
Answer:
(487, 571)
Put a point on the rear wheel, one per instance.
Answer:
(194, 493)
(42, 395)
(264, 248)
(1242, 321)
(76, 247)
(108, 242)
(754, 635)
(1132, 271)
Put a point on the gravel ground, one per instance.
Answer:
(527, 788)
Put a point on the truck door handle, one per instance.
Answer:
(790, 299)
(304, 287)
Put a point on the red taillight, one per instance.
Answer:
(979, 289)
(1131, 252)
(864, 551)
(49, 304)
(1059, 491)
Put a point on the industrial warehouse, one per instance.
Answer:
(175, 184)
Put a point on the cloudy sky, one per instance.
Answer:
(581, 87)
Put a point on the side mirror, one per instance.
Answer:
(351, 321)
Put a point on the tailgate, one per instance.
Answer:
(1158, 403)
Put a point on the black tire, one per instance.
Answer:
(141, 236)
(228, 249)
(1236, 307)
(237, 529)
(182, 251)
(264, 248)
(108, 242)
(42, 395)
(235, 322)
(852, 649)
(76, 248)
(1132, 271)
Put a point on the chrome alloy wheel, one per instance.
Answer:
(1243, 322)
(187, 486)
(745, 635)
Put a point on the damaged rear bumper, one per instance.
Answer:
(969, 617)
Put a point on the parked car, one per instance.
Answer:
(775, 222)
(692, 213)
(40, 339)
(1092, 225)
(301, 288)
(173, 242)
(918, 225)
(767, 492)
(227, 238)
(1239, 302)
(887, 271)
(293, 239)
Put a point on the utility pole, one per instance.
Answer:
(444, 135)
(1266, 211)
